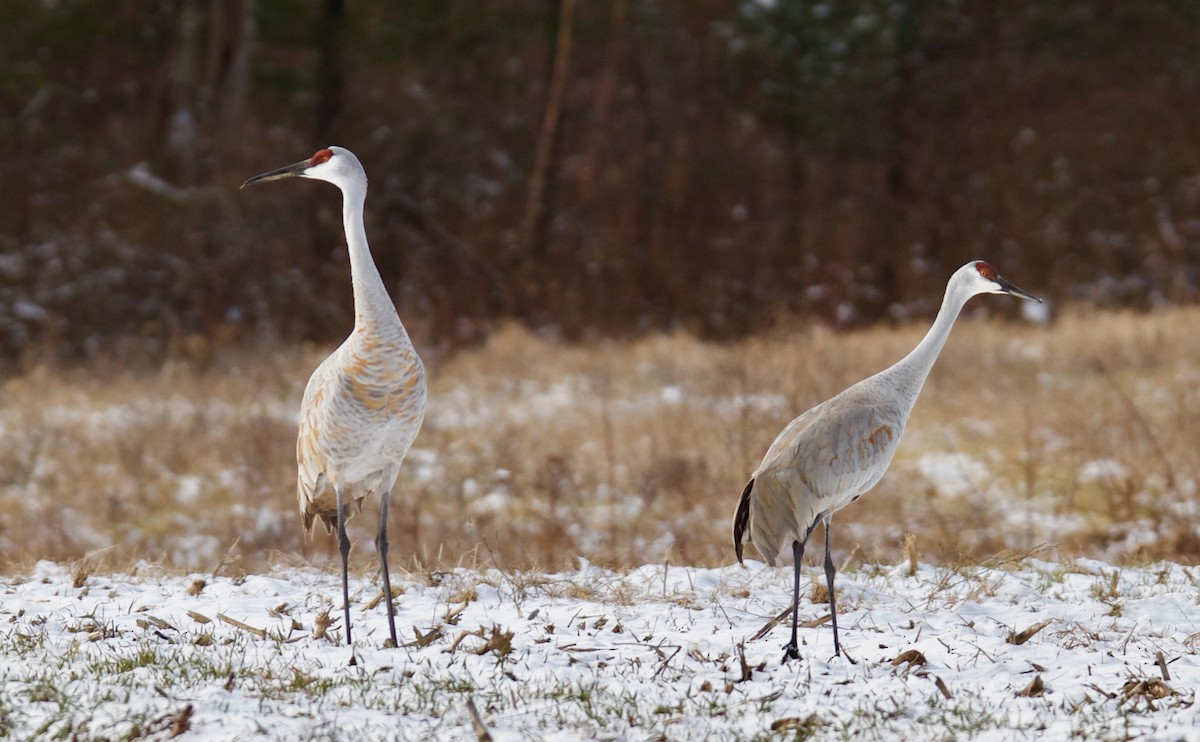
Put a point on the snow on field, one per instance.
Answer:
(1079, 649)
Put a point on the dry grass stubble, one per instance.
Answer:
(1077, 438)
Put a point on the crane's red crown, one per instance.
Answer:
(322, 155)
(987, 271)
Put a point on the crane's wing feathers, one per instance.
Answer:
(840, 447)
(822, 461)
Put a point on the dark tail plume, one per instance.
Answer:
(741, 521)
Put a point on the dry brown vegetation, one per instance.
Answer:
(1077, 438)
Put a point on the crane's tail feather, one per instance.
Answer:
(310, 518)
(328, 518)
(741, 521)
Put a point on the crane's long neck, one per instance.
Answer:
(372, 305)
(908, 375)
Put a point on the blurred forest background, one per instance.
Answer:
(586, 168)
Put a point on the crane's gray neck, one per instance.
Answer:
(372, 304)
(909, 374)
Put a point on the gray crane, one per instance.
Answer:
(833, 453)
(364, 404)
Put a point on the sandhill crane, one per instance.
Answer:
(833, 453)
(364, 404)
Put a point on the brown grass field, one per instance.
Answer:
(1072, 439)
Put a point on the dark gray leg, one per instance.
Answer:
(791, 650)
(830, 570)
(344, 548)
(381, 543)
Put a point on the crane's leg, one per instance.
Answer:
(791, 650)
(344, 548)
(830, 570)
(381, 544)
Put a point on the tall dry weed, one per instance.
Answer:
(1077, 436)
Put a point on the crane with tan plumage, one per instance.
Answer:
(364, 404)
(833, 453)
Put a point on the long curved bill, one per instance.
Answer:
(294, 170)
(1005, 284)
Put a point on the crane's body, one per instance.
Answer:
(362, 409)
(364, 404)
(832, 454)
(822, 461)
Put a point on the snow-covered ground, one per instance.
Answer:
(1072, 650)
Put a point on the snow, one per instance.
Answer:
(952, 474)
(1107, 471)
(658, 651)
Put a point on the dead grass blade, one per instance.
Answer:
(481, 731)
(147, 621)
(424, 640)
(746, 673)
(745, 670)
(260, 633)
(181, 722)
(1021, 637)
(1161, 661)
(499, 641)
(941, 686)
(396, 592)
(321, 624)
(797, 727)
(1145, 689)
(910, 552)
(783, 616)
(766, 629)
(452, 616)
(912, 657)
(1036, 688)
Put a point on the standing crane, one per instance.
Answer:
(833, 453)
(364, 404)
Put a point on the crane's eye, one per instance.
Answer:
(987, 271)
(322, 155)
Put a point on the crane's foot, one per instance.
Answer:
(790, 652)
(844, 653)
